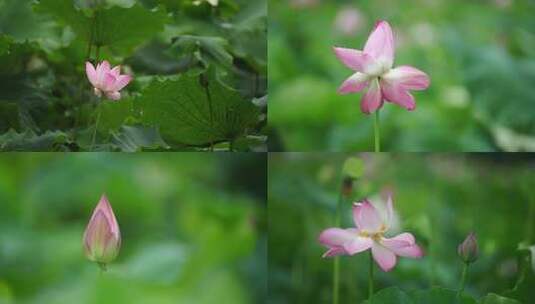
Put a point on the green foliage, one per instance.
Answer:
(119, 28)
(440, 296)
(353, 167)
(183, 231)
(211, 49)
(391, 295)
(5, 41)
(137, 138)
(478, 54)
(191, 113)
(29, 141)
(44, 90)
(436, 295)
(496, 299)
(395, 295)
(437, 198)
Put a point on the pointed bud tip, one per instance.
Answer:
(104, 200)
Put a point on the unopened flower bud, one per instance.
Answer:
(468, 249)
(102, 238)
(347, 186)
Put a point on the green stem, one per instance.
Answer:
(463, 279)
(336, 265)
(370, 277)
(377, 132)
(530, 222)
(95, 130)
(103, 268)
(336, 279)
(91, 38)
(96, 27)
(97, 54)
(88, 56)
(211, 112)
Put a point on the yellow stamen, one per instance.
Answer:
(376, 236)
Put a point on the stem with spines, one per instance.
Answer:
(377, 132)
(463, 279)
(370, 277)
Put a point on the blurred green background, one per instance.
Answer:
(193, 228)
(480, 56)
(440, 198)
(199, 72)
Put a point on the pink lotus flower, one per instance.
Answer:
(369, 233)
(106, 81)
(373, 70)
(102, 238)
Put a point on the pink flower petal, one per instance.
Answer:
(385, 258)
(91, 73)
(97, 232)
(104, 67)
(102, 70)
(358, 244)
(366, 217)
(403, 245)
(116, 71)
(380, 44)
(109, 82)
(354, 84)
(413, 251)
(398, 94)
(408, 77)
(405, 237)
(389, 212)
(334, 251)
(105, 206)
(336, 236)
(372, 99)
(353, 59)
(121, 82)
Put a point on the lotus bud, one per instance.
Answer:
(102, 238)
(468, 249)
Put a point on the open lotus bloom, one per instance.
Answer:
(105, 80)
(369, 233)
(374, 72)
(102, 238)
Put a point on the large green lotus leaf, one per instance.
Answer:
(9, 115)
(212, 49)
(391, 295)
(188, 113)
(496, 299)
(19, 22)
(436, 295)
(137, 138)
(29, 141)
(248, 34)
(117, 27)
(523, 288)
(114, 114)
(5, 41)
(439, 295)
